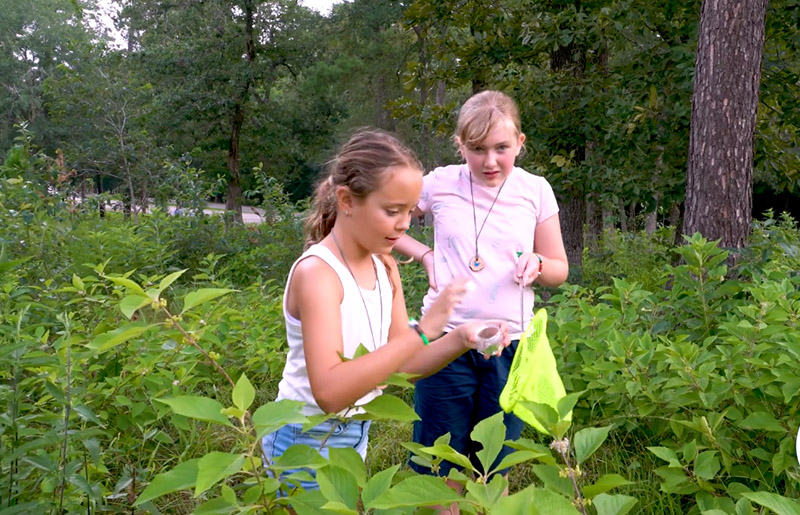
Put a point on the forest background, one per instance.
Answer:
(684, 354)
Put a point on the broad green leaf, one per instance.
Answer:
(200, 408)
(299, 456)
(127, 283)
(490, 433)
(350, 460)
(566, 403)
(168, 280)
(416, 491)
(604, 484)
(552, 479)
(588, 440)
(534, 501)
(77, 282)
(274, 415)
(517, 457)
(762, 420)
(338, 486)
(378, 484)
(388, 407)
(544, 414)
(216, 506)
(111, 339)
(337, 507)
(182, 477)
(450, 454)
(401, 379)
(666, 454)
(214, 467)
(130, 303)
(195, 298)
(707, 465)
(243, 393)
(777, 503)
(488, 494)
(614, 504)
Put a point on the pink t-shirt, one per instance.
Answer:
(524, 201)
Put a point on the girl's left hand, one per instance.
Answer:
(527, 269)
(469, 334)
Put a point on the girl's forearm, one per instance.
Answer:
(346, 382)
(435, 356)
(412, 248)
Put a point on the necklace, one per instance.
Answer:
(358, 289)
(476, 264)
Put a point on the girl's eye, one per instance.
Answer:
(392, 212)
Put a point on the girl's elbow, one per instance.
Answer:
(328, 403)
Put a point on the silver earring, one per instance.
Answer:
(347, 213)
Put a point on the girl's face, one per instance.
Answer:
(385, 214)
(492, 160)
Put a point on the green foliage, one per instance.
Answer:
(701, 368)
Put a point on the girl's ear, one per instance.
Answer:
(344, 199)
(520, 142)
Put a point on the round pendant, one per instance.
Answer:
(476, 264)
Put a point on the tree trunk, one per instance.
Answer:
(724, 106)
(233, 198)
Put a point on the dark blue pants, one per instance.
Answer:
(459, 396)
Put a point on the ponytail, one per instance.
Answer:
(323, 213)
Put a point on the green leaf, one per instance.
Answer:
(195, 298)
(338, 486)
(168, 280)
(707, 465)
(534, 501)
(77, 282)
(777, 503)
(566, 403)
(445, 451)
(488, 495)
(378, 484)
(388, 407)
(200, 408)
(401, 379)
(217, 506)
(614, 504)
(588, 440)
(666, 454)
(490, 433)
(299, 456)
(274, 415)
(215, 466)
(243, 393)
(130, 303)
(182, 477)
(127, 283)
(761, 420)
(111, 339)
(350, 460)
(416, 491)
(604, 484)
(517, 457)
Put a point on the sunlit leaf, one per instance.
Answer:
(200, 408)
(182, 477)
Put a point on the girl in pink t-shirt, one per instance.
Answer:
(498, 225)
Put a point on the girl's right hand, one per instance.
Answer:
(435, 320)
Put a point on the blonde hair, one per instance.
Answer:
(481, 112)
(361, 165)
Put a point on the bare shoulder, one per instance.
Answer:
(313, 282)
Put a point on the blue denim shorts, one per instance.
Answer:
(459, 396)
(353, 433)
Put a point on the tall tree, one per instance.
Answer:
(724, 110)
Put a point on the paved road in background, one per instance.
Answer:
(250, 215)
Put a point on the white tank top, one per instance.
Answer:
(355, 329)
